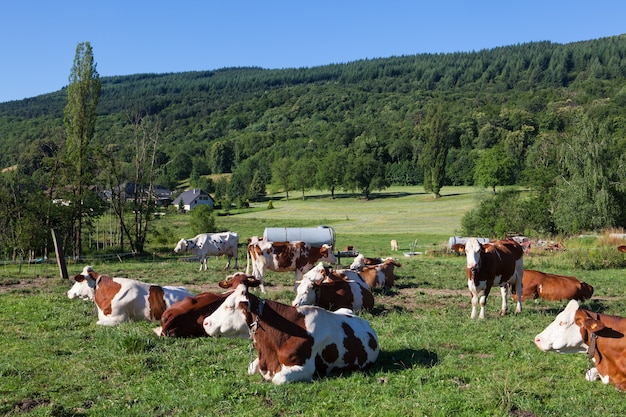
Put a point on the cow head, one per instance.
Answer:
(230, 319)
(358, 263)
(473, 249)
(327, 254)
(563, 334)
(84, 285)
(181, 246)
(306, 293)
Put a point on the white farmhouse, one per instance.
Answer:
(194, 197)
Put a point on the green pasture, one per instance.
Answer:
(434, 361)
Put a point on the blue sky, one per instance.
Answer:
(39, 38)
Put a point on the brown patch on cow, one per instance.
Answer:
(355, 356)
(106, 289)
(622, 248)
(156, 302)
(330, 353)
(285, 253)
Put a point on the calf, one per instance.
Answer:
(184, 318)
(293, 343)
(599, 335)
(294, 256)
(324, 288)
(497, 263)
(552, 287)
(121, 299)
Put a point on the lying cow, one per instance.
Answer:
(211, 244)
(184, 318)
(599, 335)
(332, 290)
(552, 287)
(378, 275)
(498, 263)
(293, 343)
(361, 261)
(122, 299)
(295, 256)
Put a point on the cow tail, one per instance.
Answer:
(247, 261)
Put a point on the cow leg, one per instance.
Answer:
(253, 368)
(482, 300)
(519, 272)
(228, 262)
(504, 292)
(474, 305)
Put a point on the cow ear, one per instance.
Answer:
(252, 281)
(593, 325)
(79, 278)
(225, 284)
(245, 305)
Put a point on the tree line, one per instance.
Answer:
(543, 116)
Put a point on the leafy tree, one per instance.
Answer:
(202, 219)
(435, 150)
(281, 175)
(330, 172)
(83, 94)
(303, 175)
(494, 167)
(365, 173)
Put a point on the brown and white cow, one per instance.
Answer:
(601, 336)
(122, 299)
(361, 260)
(498, 263)
(184, 318)
(295, 256)
(553, 287)
(332, 290)
(379, 275)
(293, 343)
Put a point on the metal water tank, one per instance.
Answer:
(314, 236)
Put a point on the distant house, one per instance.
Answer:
(130, 191)
(194, 197)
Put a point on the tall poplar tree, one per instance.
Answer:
(79, 116)
(435, 151)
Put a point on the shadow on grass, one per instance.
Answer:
(389, 361)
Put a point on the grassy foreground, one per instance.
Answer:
(435, 361)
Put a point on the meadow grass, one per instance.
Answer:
(434, 361)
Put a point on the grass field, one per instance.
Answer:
(434, 361)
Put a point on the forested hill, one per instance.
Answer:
(239, 118)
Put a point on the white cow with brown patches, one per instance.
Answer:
(293, 343)
(122, 299)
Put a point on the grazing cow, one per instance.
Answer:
(121, 299)
(552, 287)
(211, 244)
(496, 263)
(394, 245)
(184, 318)
(293, 343)
(599, 335)
(295, 256)
(380, 275)
(360, 261)
(327, 289)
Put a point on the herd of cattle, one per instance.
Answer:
(320, 332)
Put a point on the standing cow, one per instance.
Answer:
(295, 256)
(293, 343)
(497, 263)
(211, 244)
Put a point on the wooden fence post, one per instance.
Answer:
(58, 249)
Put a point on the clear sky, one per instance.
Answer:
(39, 37)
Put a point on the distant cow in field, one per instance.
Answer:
(184, 318)
(295, 256)
(379, 275)
(498, 263)
(122, 299)
(205, 245)
(394, 245)
(323, 287)
(293, 343)
(553, 287)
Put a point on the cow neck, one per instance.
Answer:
(255, 311)
(591, 350)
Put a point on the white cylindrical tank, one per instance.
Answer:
(462, 240)
(314, 236)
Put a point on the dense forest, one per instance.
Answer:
(550, 118)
